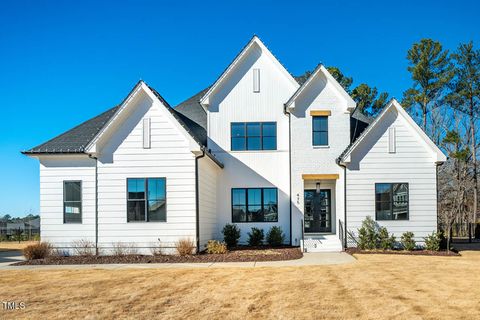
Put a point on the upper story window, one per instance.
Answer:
(253, 136)
(254, 205)
(391, 201)
(146, 199)
(320, 130)
(72, 201)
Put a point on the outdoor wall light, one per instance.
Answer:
(318, 187)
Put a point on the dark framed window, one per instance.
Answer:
(391, 201)
(253, 136)
(320, 130)
(72, 201)
(254, 205)
(146, 199)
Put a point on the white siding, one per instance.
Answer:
(309, 159)
(53, 171)
(412, 162)
(207, 182)
(123, 156)
(235, 101)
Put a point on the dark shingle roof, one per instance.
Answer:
(190, 115)
(75, 140)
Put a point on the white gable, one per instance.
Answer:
(321, 74)
(254, 49)
(394, 107)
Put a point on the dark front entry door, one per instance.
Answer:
(318, 214)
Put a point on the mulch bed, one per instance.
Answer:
(404, 252)
(236, 255)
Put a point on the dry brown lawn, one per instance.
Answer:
(14, 245)
(374, 287)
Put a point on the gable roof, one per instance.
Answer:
(80, 138)
(321, 69)
(204, 100)
(76, 139)
(393, 104)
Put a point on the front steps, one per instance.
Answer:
(321, 243)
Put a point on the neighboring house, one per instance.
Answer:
(28, 228)
(256, 148)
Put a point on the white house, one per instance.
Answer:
(256, 148)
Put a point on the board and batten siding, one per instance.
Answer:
(412, 162)
(236, 100)
(207, 185)
(124, 156)
(54, 170)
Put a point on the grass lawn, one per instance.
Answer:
(374, 287)
(14, 245)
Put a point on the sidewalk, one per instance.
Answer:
(308, 259)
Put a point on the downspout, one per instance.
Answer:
(344, 203)
(96, 202)
(286, 112)
(197, 204)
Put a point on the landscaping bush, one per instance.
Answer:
(185, 247)
(368, 234)
(255, 237)
(385, 240)
(275, 236)
(432, 241)
(216, 247)
(39, 250)
(407, 241)
(231, 234)
(83, 247)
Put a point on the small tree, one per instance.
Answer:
(275, 236)
(231, 235)
(408, 241)
(368, 234)
(385, 240)
(255, 237)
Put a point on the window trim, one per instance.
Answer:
(261, 136)
(146, 200)
(81, 202)
(313, 132)
(246, 203)
(391, 201)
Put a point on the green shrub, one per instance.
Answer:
(231, 234)
(385, 240)
(432, 241)
(407, 241)
(368, 234)
(255, 237)
(275, 236)
(39, 250)
(216, 247)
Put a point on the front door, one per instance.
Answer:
(318, 214)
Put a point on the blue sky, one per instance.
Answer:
(62, 62)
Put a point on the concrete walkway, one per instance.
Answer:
(308, 259)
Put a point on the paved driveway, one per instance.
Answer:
(8, 257)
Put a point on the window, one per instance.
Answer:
(146, 199)
(320, 130)
(391, 201)
(253, 136)
(254, 205)
(72, 202)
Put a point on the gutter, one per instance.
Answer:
(286, 112)
(96, 202)
(344, 201)
(197, 204)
